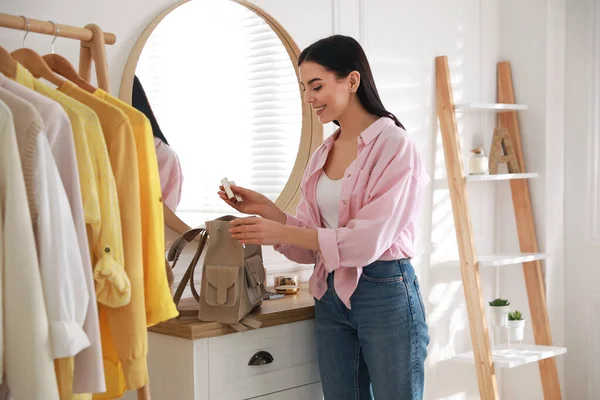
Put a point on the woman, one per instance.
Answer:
(355, 221)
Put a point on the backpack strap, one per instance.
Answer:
(239, 327)
(188, 313)
(251, 322)
(173, 255)
(194, 263)
(245, 323)
(178, 245)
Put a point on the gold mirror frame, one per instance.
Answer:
(312, 129)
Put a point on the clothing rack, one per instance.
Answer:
(93, 43)
(93, 48)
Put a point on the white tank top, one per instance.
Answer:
(328, 200)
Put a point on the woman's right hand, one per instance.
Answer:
(253, 203)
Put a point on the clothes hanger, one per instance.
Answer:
(8, 66)
(64, 68)
(34, 62)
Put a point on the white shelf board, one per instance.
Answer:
(497, 260)
(520, 354)
(489, 107)
(500, 177)
(442, 183)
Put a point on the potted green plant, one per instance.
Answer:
(499, 308)
(516, 325)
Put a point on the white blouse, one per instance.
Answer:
(28, 365)
(328, 200)
(64, 286)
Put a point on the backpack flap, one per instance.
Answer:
(221, 285)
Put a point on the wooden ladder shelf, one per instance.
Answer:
(482, 355)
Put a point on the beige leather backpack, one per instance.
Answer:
(232, 276)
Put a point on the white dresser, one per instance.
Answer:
(193, 360)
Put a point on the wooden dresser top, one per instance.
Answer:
(291, 308)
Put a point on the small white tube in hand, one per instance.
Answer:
(227, 188)
(237, 196)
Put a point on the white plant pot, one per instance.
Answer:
(500, 315)
(516, 329)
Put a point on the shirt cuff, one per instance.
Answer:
(136, 372)
(113, 288)
(329, 249)
(67, 338)
(290, 220)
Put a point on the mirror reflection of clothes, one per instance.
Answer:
(171, 177)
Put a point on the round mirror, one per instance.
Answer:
(218, 81)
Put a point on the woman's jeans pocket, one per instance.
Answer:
(387, 274)
(420, 297)
(383, 272)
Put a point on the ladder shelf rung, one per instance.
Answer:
(497, 107)
(500, 177)
(441, 183)
(499, 260)
(520, 354)
(496, 260)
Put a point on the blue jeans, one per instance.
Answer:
(377, 348)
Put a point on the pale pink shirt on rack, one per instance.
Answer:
(380, 197)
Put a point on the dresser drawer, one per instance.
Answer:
(306, 392)
(294, 361)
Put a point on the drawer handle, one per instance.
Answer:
(261, 358)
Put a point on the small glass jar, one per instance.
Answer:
(478, 162)
(478, 165)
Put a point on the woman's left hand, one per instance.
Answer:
(257, 230)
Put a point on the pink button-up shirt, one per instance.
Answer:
(379, 198)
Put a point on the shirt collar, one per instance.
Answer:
(24, 77)
(100, 93)
(368, 135)
(371, 133)
(67, 87)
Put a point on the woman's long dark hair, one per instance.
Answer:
(342, 55)
(139, 100)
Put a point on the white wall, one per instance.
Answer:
(582, 199)
(401, 39)
(531, 36)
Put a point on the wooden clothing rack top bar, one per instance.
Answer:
(93, 43)
(93, 48)
(47, 28)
